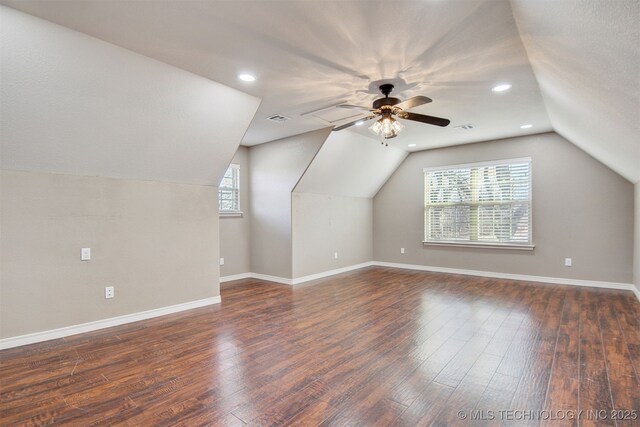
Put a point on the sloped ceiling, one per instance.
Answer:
(310, 55)
(74, 104)
(586, 57)
(349, 164)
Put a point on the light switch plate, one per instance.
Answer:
(85, 254)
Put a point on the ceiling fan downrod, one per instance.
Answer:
(387, 101)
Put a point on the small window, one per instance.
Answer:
(481, 204)
(229, 191)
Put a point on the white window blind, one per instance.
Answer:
(481, 203)
(229, 190)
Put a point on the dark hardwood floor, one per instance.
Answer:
(373, 347)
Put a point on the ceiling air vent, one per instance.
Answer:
(464, 127)
(278, 118)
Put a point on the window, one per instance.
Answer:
(229, 191)
(483, 204)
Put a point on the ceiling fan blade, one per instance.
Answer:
(413, 102)
(422, 118)
(346, 125)
(353, 107)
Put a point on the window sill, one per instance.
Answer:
(231, 214)
(481, 245)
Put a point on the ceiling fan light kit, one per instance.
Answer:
(385, 108)
(387, 127)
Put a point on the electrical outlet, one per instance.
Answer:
(85, 254)
(221, 261)
(568, 262)
(335, 255)
(402, 250)
(109, 292)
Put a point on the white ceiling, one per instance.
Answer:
(586, 57)
(309, 55)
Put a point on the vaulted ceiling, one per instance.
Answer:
(573, 65)
(72, 104)
(586, 57)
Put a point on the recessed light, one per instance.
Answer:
(359, 122)
(411, 145)
(247, 77)
(527, 126)
(501, 87)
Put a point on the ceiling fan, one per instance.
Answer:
(386, 108)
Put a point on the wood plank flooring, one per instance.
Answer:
(374, 347)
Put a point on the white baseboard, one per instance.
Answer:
(268, 278)
(235, 277)
(495, 275)
(295, 281)
(104, 323)
(330, 272)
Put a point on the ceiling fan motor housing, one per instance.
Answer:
(386, 101)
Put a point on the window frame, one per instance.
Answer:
(479, 244)
(238, 212)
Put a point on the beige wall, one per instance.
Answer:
(235, 231)
(325, 224)
(636, 248)
(155, 242)
(581, 210)
(75, 108)
(276, 168)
